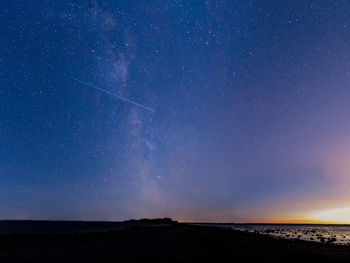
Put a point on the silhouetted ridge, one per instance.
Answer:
(164, 220)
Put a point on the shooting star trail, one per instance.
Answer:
(114, 95)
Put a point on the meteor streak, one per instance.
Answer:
(113, 94)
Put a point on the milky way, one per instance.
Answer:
(226, 111)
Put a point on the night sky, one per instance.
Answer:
(227, 111)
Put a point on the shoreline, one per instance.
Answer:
(174, 243)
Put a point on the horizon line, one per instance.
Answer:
(316, 222)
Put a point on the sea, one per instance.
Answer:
(335, 234)
(324, 233)
(47, 227)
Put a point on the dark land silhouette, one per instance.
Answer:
(167, 242)
(32, 227)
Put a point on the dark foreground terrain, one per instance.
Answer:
(172, 243)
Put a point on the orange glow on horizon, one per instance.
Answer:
(273, 220)
(315, 214)
(302, 221)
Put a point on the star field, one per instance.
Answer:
(250, 100)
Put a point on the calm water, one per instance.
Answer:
(9, 227)
(336, 234)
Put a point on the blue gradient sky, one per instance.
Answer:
(251, 100)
